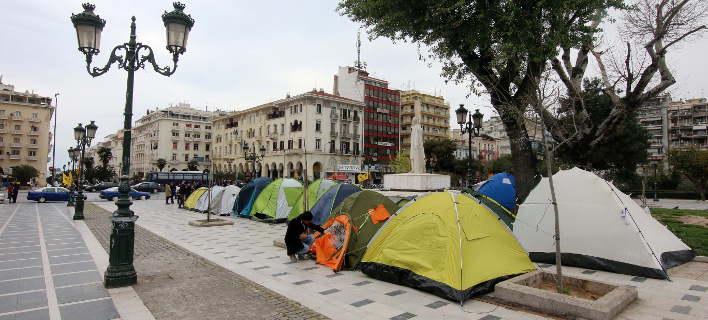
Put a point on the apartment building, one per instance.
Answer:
(432, 111)
(495, 129)
(381, 115)
(687, 123)
(482, 148)
(315, 132)
(177, 134)
(24, 130)
(114, 142)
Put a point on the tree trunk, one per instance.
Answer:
(525, 169)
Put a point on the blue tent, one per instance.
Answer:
(330, 199)
(500, 188)
(248, 194)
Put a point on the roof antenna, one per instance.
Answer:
(358, 63)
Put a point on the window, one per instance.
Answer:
(15, 152)
(299, 143)
(18, 127)
(282, 128)
(196, 147)
(282, 145)
(208, 137)
(318, 126)
(2, 112)
(290, 144)
(186, 157)
(196, 156)
(206, 147)
(32, 153)
(175, 134)
(16, 140)
(197, 136)
(318, 144)
(275, 146)
(187, 135)
(319, 108)
(174, 156)
(186, 146)
(189, 125)
(207, 127)
(33, 141)
(174, 145)
(18, 113)
(196, 126)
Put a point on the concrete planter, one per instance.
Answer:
(523, 290)
(212, 223)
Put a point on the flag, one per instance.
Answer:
(67, 179)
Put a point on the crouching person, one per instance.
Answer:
(296, 238)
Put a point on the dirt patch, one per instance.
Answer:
(697, 220)
(584, 293)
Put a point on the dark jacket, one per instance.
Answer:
(292, 235)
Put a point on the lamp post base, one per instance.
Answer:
(79, 208)
(120, 271)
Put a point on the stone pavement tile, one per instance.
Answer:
(98, 309)
(81, 292)
(73, 267)
(32, 300)
(698, 288)
(383, 310)
(691, 298)
(437, 304)
(681, 309)
(362, 302)
(32, 315)
(69, 258)
(62, 280)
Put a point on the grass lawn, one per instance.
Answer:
(694, 236)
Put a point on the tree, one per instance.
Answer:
(24, 173)
(439, 154)
(192, 165)
(401, 163)
(502, 47)
(693, 164)
(501, 164)
(161, 163)
(626, 147)
(630, 82)
(88, 162)
(135, 179)
(104, 155)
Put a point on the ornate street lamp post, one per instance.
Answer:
(471, 125)
(83, 137)
(74, 156)
(256, 158)
(88, 26)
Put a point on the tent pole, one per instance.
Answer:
(549, 154)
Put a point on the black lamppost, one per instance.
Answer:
(83, 137)
(74, 156)
(469, 125)
(88, 26)
(256, 158)
(655, 165)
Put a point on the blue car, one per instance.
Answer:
(50, 194)
(112, 194)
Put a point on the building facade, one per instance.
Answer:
(432, 111)
(483, 149)
(381, 115)
(314, 134)
(687, 124)
(114, 142)
(177, 134)
(25, 135)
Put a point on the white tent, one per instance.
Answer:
(228, 198)
(600, 228)
(203, 203)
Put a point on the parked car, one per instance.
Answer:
(101, 186)
(50, 194)
(151, 187)
(112, 194)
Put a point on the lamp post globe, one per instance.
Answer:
(468, 126)
(88, 29)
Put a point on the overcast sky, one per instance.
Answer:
(240, 54)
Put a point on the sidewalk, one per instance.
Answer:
(246, 248)
(48, 269)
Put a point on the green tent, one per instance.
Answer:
(314, 190)
(276, 200)
(504, 215)
(447, 244)
(358, 206)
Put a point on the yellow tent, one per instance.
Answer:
(447, 244)
(192, 199)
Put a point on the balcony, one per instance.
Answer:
(32, 146)
(333, 134)
(356, 136)
(176, 128)
(188, 139)
(3, 117)
(32, 158)
(333, 115)
(17, 118)
(34, 120)
(197, 139)
(174, 162)
(293, 151)
(176, 138)
(16, 131)
(273, 135)
(15, 157)
(346, 118)
(16, 145)
(207, 130)
(33, 133)
(346, 135)
(188, 129)
(3, 131)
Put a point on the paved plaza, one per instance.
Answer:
(51, 268)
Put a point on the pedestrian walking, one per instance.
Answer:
(9, 192)
(174, 192)
(182, 193)
(15, 191)
(168, 193)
